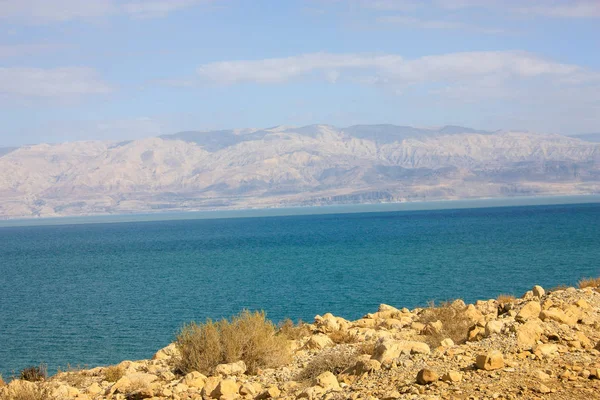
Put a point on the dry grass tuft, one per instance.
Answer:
(335, 361)
(589, 282)
(29, 392)
(2, 383)
(113, 373)
(366, 348)
(249, 337)
(506, 298)
(293, 331)
(34, 374)
(455, 323)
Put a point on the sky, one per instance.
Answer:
(127, 69)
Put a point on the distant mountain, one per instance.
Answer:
(589, 137)
(6, 150)
(284, 166)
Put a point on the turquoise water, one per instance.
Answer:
(94, 294)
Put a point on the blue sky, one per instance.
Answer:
(115, 70)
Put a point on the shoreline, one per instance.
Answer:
(546, 343)
(333, 209)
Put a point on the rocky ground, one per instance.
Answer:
(544, 345)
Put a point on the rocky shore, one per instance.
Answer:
(543, 345)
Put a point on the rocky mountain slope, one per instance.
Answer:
(545, 345)
(281, 166)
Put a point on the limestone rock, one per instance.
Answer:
(426, 376)
(210, 386)
(94, 389)
(250, 389)
(529, 311)
(538, 291)
(133, 382)
(540, 375)
(493, 327)
(272, 392)
(452, 376)
(570, 316)
(327, 381)
(528, 334)
(490, 361)
(366, 366)
(225, 388)
(319, 342)
(389, 349)
(167, 353)
(194, 379)
(447, 342)
(546, 349)
(236, 368)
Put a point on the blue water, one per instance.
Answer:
(95, 294)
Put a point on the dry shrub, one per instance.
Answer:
(113, 373)
(367, 348)
(34, 374)
(335, 361)
(589, 282)
(293, 331)
(506, 298)
(249, 337)
(455, 323)
(29, 392)
(342, 337)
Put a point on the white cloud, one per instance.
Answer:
(390, 68)
(65, 10)
(56, 82)
(564, 9)
(546, 8)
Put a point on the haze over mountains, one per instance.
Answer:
(283, 166)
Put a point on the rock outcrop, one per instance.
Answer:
(545, 345)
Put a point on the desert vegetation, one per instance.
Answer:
(446, 320)
(248, 337)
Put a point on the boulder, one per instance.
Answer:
(319, 342)
(366, 366)
(388, 349)
(545, 350)
(490, 361)
(194, 379)
(166, 353)
(529, 311)
(272, 392)
(132, 382)
(452, 376)
(327, 381)
(560, 316)
(474, 315)
(226, 387)
(447, 342)
(250, 389)
(426, 376)
(94, 389)
(493, 327)
(538, 291)
(385, 307)
(236, 368)
(528, 334)
(540, 375)
(210, 386)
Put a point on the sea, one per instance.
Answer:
(89, 291)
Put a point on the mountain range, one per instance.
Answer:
(292, 166)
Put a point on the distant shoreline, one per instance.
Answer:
(306, 210)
